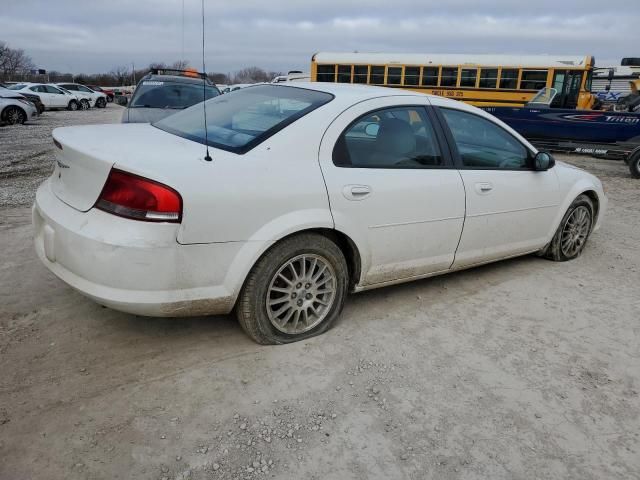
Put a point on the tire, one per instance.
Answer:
(14, 115)
(73, 106)
(576, 224)
(84, 104)
(101, 103)
(634, 164)
(271, 279)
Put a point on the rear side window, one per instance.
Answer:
(400, 137)
(242, 119)
(484, 145)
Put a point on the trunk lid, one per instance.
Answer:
(89, 152)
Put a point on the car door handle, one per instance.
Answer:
(483, 187)
(356, 192)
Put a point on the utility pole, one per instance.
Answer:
(133, 73)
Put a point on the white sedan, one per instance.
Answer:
(310, 191)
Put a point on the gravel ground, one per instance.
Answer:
(25, 150)
(521, 369)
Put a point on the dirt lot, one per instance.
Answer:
(524, 369)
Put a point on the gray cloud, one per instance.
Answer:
(91, 36)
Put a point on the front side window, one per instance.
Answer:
(533, 79)
(70, 87)
(449, 77)
(483, 144)
(509, 78)
(51, 89)
(242, 119)
(400, 137)
(84, 89)
(326, 73)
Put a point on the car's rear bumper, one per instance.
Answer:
(136, 267)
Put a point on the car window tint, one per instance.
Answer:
(240, 120)
(161, 94)
(51, 89)
(483, 144)
(400, 137)
(84, 89)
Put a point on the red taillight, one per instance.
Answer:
(131, 196)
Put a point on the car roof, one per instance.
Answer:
(354, 93)
(174, 78)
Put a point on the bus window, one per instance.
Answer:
(509, 78)
(468, 77)
(360, 73)
(344, 73)
(326, 73)
(394, 75)
(488, 77)
(449, 77)
(533, 79)
(377, 75)
(430, 77)
(411, 76)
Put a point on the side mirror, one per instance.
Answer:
(543, 161)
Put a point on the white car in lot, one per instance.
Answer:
(51, 96)
(15, 108)
(84, 93)
(311, 191)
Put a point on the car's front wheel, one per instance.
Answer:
(296, 290)
(101, 103)
(84, 104)
(573, 232)
(14, 115)
(73, 105)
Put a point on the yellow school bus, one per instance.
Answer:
(481, 80)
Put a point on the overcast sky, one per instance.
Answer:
(96, 35)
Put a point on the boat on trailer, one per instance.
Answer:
(600, 133)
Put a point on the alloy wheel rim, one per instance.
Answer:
(301, 294)
(14, 117)
(575, 231)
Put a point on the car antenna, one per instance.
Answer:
(207, 157)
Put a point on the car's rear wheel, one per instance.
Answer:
(73, 105)
(14, 115)
(295, 291)
(84, 104)
(101, 103)
(573, 232)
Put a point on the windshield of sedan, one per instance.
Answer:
(240, 120)
(163, 94)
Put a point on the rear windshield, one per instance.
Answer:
(162, 94)
(17, 86)
(240, 120)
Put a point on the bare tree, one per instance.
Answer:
(13, 61)
(121, 74)
(251, 75)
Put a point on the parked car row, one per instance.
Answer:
(72, 96)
